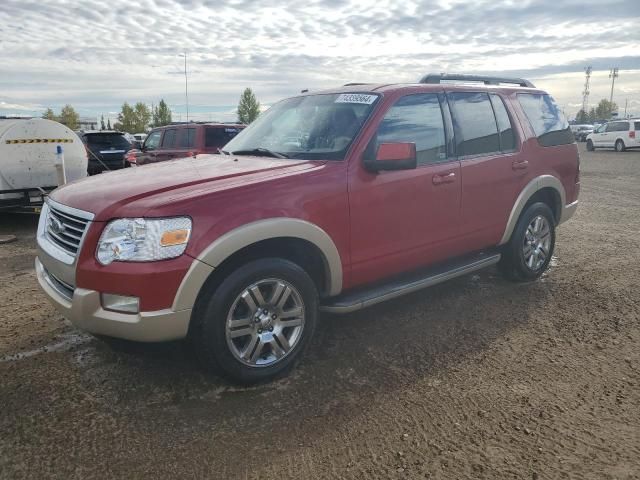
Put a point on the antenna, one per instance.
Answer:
(585, 92)
(613, 75)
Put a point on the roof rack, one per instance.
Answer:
(487, 80)
(353, 84)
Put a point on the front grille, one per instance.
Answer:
(65, 229)
(59, 286)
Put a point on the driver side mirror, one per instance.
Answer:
(393, 156)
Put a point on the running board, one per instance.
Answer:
(362, 298)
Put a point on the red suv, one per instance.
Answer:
(183, 140)
(330, 201)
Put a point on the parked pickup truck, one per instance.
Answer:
(330, 201)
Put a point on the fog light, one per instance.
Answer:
(120, 303)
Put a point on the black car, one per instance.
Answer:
(105, 149)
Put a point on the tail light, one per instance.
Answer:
(632, 134)
(193, 153)
(130, 157)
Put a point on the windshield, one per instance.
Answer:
(313, 127)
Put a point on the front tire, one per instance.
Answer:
(529, 251)
(255, 325)
(590, 146)
(620, 146)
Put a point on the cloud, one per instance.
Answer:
(96, 55)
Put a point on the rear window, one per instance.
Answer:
(546, 119)
(475, 123)
(169, 138)
(188, 137)
(108, 140)
(219, 136)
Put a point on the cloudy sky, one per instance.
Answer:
(97, 54)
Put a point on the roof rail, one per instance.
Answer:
(353, 84)
(487, 80)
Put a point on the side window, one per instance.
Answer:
(416, 119)
(477, 132)
(507, 135)
(188, 137)
(153, 141)
(546, 119)
(611, 127)
(169, 138)
(624, 127)
(637, 126)
(218, 137)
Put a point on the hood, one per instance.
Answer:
(105, 193)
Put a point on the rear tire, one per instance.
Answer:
(590, 146)
(256, 323)
(529, 251)
(620, 146)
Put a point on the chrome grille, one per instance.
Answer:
(58, 285)
(65, 229)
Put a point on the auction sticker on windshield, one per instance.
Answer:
(356, 98)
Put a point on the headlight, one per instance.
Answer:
(143, 240)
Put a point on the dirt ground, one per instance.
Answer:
(476, 378)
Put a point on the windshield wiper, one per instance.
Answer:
(260, 151)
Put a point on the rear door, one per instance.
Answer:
(186, 142)
(493, 167)
(167, 145)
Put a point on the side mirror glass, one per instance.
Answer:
(393, 156)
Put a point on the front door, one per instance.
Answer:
(151, 144)
(403, 220)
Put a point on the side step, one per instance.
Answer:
(362, 298)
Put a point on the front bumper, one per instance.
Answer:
(83, 308)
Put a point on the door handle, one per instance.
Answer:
(522, 165)
(446, 178)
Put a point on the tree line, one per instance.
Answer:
(139, 117)
(603, 111)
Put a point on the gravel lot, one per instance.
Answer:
(476, 378)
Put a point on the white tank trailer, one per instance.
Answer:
(28, 160)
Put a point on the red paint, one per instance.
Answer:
(382, 223)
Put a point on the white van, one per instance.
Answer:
(618, 134)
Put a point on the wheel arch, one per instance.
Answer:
(292, 239)
(545, 188)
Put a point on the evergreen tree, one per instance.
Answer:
(108, 124)
(248, 107)
(161, 114)
(69, 117)
(102, 127)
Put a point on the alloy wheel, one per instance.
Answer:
(537, 243)
(265, 322)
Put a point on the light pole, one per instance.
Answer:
(613, 75)
(186, 90)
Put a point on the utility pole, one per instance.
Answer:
(626, 100)
(613, 74)
(585, 92)
(186, 91)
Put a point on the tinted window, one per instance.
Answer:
(153, 141)
(507, 136)
(416, 119)
(188, 137)
(218, 137)
(475, 123)
(546, 119)
(637, 126)
(623, 126)
(108, 140)
(169, 138)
